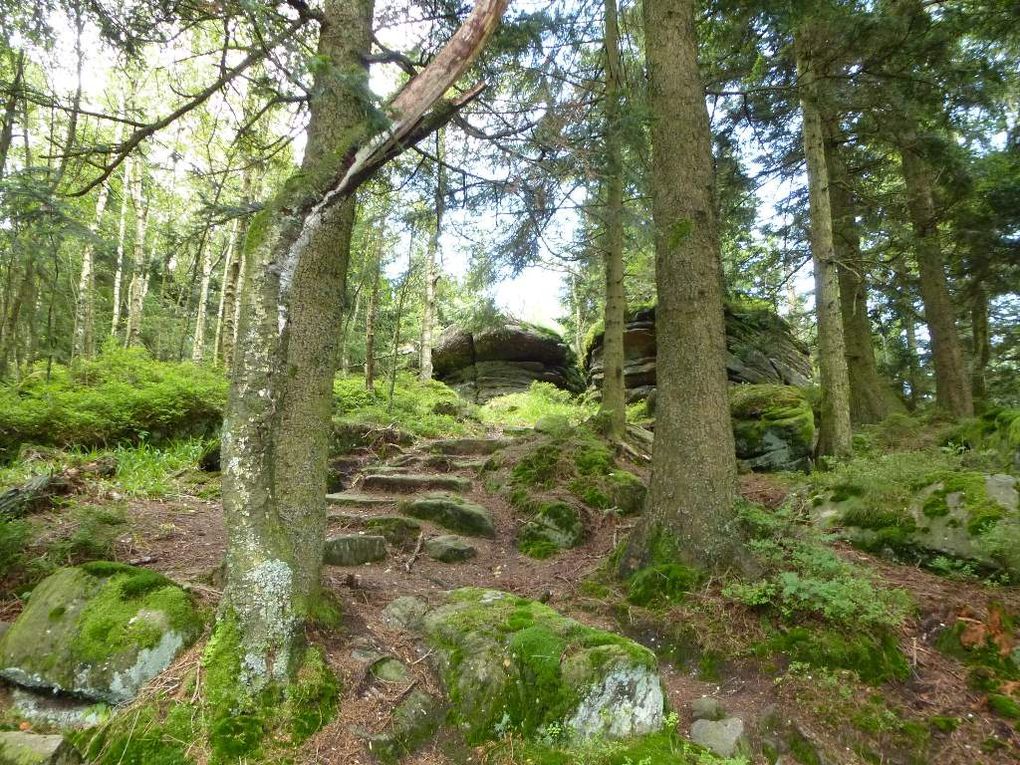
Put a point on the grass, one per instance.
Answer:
(542, 401)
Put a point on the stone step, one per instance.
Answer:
(353, 550)
(396, 529)
(412, 482)
(452, 512)
(358, 499)
(469, 446)
(443, 463)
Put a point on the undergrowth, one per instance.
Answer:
(541, 401)
(427, 409)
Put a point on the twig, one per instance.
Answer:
(417, 551)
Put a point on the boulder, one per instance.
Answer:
(99, 631)
(487, 363)
(450, 548)
(24, 748)
(724, 737)
(707, 708)
(353, 550)
(761, 349)
(511, 663)
(451, 512)
(773, 427)
(554, 526)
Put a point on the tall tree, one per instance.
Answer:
(613, 388)
(431, 275)
(275, 441)
(694, 470)
(835, 436)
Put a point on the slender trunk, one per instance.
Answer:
(835, 436)
(350, 322)
(691, 511)
(396, 331)
(10, 110)
(982, 342)
(613, 389)
(428, 314)
(578, 331)
(118, 274)
(871, 399)
(198, 344)
(228, 259)
(370, 314)
(139, 275)
(952, 388)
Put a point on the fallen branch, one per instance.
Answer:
(417, 552)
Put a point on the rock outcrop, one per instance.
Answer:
(508, 663)
(773, 427)
(484, 364)
(762, 349)
(98, 631)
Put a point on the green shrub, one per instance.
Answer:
(122, 396)
(542, 401)
(428, 409)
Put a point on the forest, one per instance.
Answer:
(631, 382)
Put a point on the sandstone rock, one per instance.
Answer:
(23, 748)
(723, 737)
(773, 426)
(99, 631)
(487, 363)
(761, 348)
(450, 549)
(49, 709)
(451, 512)
(511, 662)
(469, 446)
(406, 483)
(357, 499)
(554, 526)
(353, 550)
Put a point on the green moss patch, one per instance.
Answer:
(661, 584)
(875, 656)
(554, 526)
(512, 664)
(99, 630)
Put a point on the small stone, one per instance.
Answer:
(395, 529)
(450, 548)
(353, 550)
(708, 708)
(23, 748)
(452, 512)
(389, 670)
(723, 737)
(407, 612)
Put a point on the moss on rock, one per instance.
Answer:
(509, 663)
(773, 426)
(554, 526)
(100, 630)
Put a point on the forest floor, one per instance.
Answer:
(932, 716)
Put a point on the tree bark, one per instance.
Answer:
(276, 430)
(198, 342)
(10, 110)
(614, 406)
(428, 314)
(982, 342)
(835, 436)
(140, 272)
(370, 313)
(694, 470)
(871, 398)
(952, 388)
(229, 255)
(118, 274)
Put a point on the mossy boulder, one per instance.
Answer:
(24, 748)
(626, 491)
(100, 631)
(773, 426)
(509, 663)
(554, 526)
(449, 548)
(451, 512)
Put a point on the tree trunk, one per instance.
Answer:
(428, 314)
(118, 274)
(871, 398)
(229, 256)
(952, 388)
(10, 110)
(276, 430)
(982, 342)
(198, 343)
(835, 436)
(139, 275)
(370, 314)
(396, 330)
(690, 510)
(613, 390)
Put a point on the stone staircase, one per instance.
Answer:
(413, 501)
